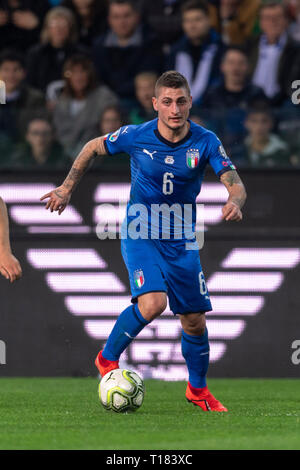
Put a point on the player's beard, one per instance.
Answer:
(176, 126)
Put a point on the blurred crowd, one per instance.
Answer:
(77, 69)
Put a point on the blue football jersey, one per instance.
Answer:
(167, 173)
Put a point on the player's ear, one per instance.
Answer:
(154, 103)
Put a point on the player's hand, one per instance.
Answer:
(231, 211)
(58, 199)
(10, 267)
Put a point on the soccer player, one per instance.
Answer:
(9, 265)
(168, 158)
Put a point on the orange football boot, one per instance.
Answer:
(104, 365)
(203, 398)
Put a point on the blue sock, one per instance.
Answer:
(195, 350)
(128, 325)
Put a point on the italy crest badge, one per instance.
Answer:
(138, 277)
(192, 158)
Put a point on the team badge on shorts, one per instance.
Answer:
(192, 158)
(139, 279)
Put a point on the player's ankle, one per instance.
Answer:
(107, 358)
(197, 390)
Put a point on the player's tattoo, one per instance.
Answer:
(235, 187)
(57, 192)
(88, 153)
(237, 200)
(75, 174)
(230, 178)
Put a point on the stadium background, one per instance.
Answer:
(56, 318)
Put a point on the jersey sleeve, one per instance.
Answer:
(218, 158)
(120, 141)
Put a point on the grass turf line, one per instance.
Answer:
(65, 413)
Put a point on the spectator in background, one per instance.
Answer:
(144, 91)
(225, 106)
(111, 120)
(21, 100)
(20, 22)
(262, 147)
(125, 50)
(288, 126)
(80, 105)
(294, 28)
(235, 91)
(40, 150)
(234, 19)
(58, 42)
(274, 56)
(164, 18)
(90, 16)
(198, 53)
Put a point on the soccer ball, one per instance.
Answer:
(121, 390)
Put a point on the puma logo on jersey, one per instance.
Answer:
(149, 153)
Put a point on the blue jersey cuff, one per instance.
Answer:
(224, 170)
(106, 147)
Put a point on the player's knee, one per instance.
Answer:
(152, 308)
(194, 324)
(196, 330)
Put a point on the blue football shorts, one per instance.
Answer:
(158, 265)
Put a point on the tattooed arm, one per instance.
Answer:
(60, 197)
(237, 195)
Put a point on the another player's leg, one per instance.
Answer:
(128, 325)
(195, 350)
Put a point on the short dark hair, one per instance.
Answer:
(114, 107)
(273, 4)
(172, 79)
(41, 115)
(235, 48)
(133, 3)
(195, 5)
(261, 108)
(10, 55)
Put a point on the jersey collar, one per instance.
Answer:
(173, 144)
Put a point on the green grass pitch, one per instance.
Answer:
(65, 413)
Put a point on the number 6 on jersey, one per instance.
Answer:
(168, 183)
